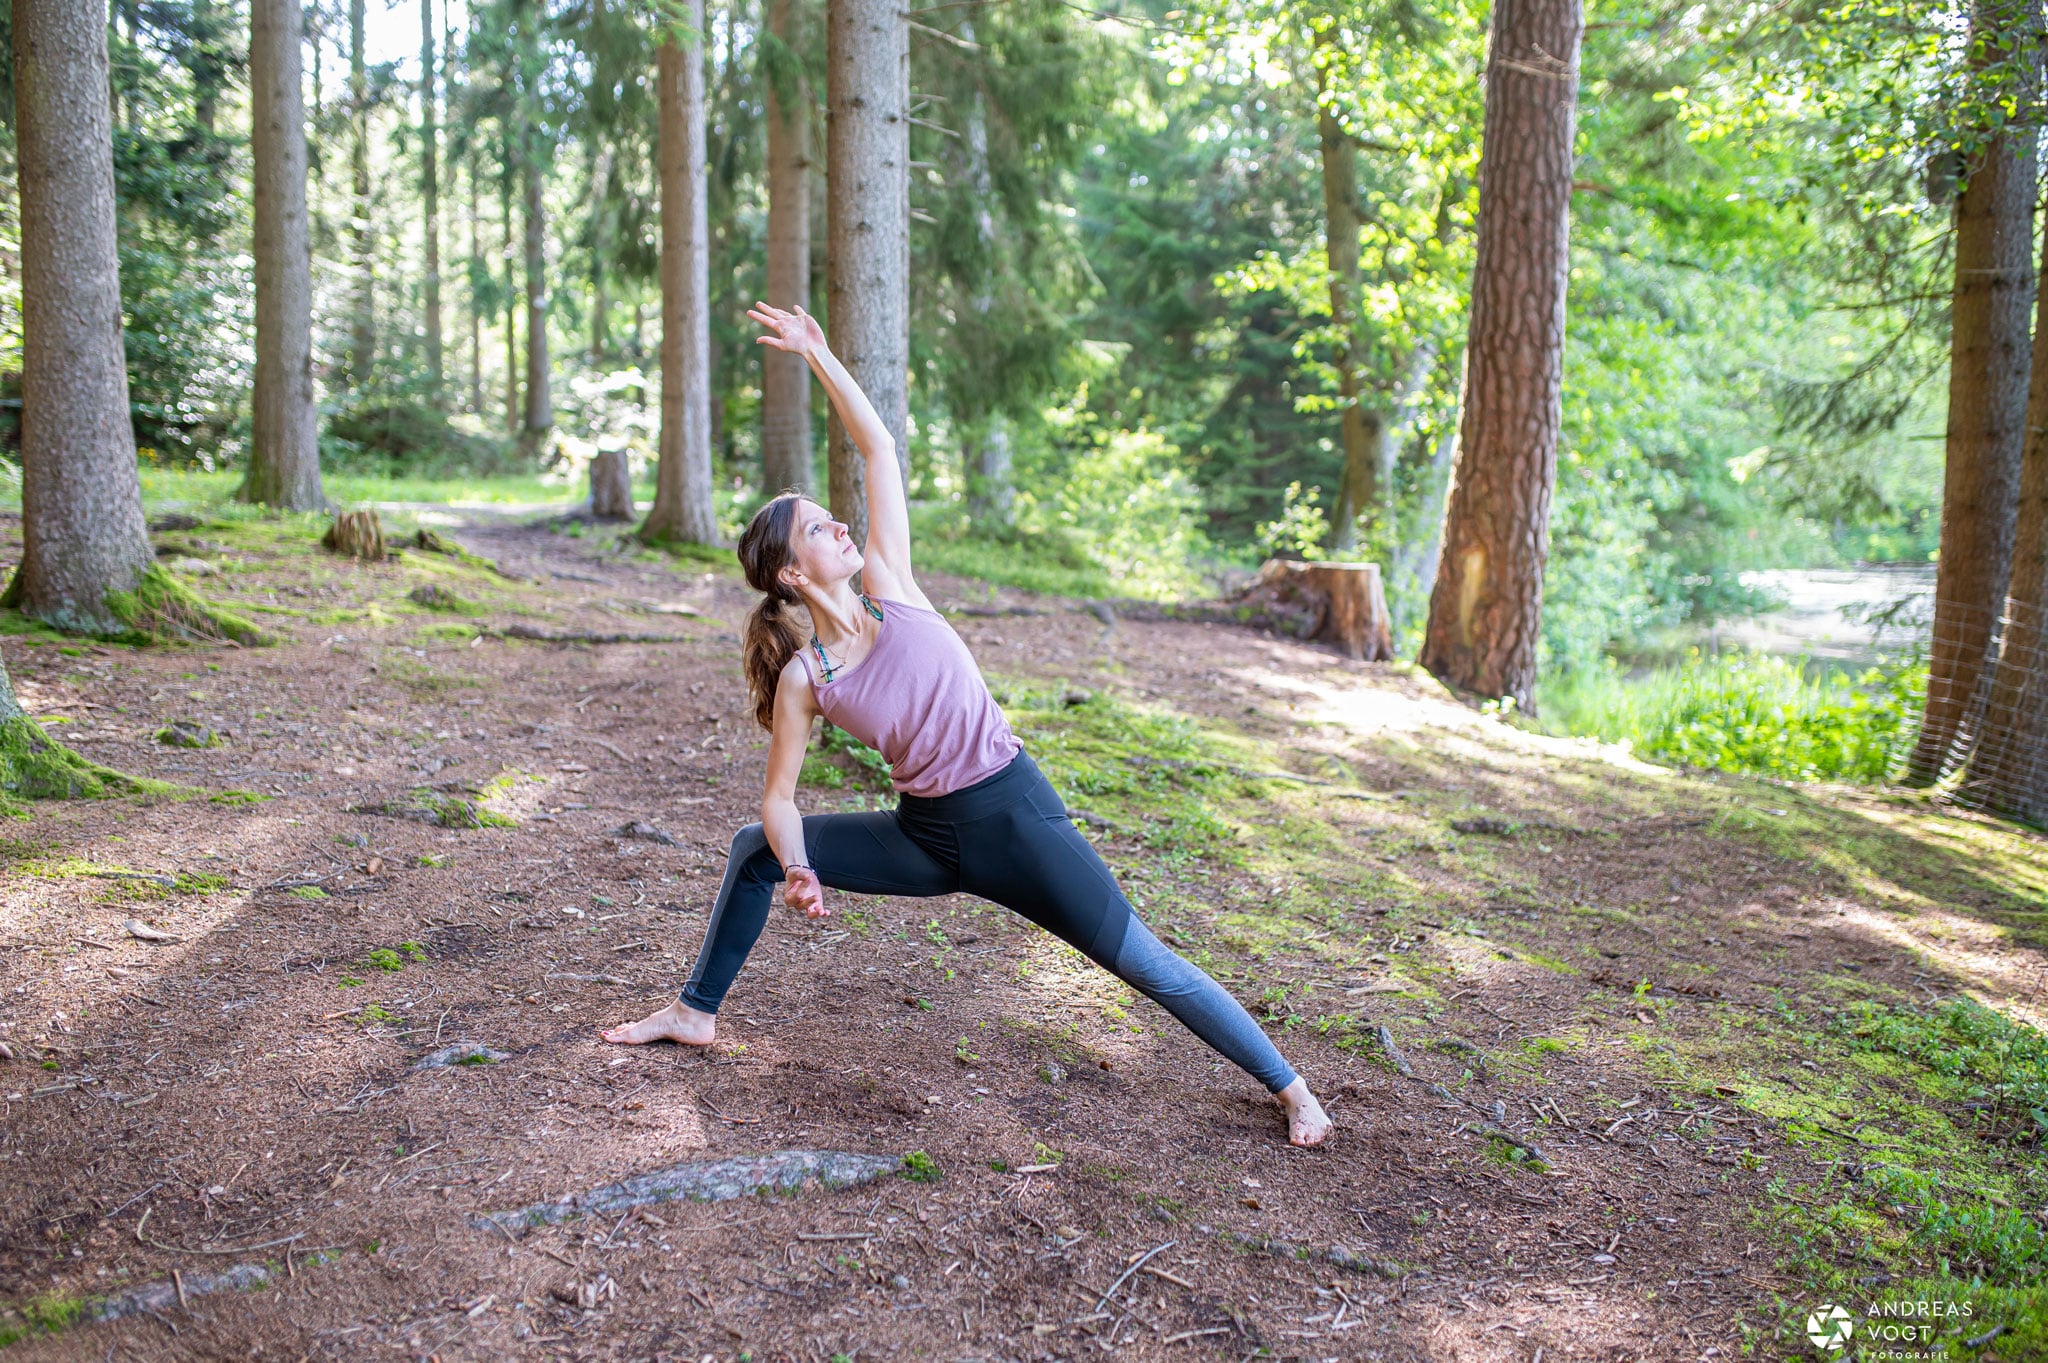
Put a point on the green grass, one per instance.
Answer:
(1749, 713)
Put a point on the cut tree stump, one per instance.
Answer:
(356, 534)
(611, 487)
(1341, 603)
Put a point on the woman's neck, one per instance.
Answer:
(836, 613)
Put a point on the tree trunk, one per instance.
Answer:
(540, 406)
(600, 252)
(786, 450)
(476, 311)
(1361, 433)
(2009, 767)
(1486, 609)
(511, 296)
(611, 486)
(682, 493)
(991, 495)
(284, 443)
(81, 497)
(1989, 352)
(205, 67)
(363, 323)
(867, 279)
(430, 190)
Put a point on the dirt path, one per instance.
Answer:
(245, 1093)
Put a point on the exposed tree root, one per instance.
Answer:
(161, 609)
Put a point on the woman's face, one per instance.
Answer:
(822, 549)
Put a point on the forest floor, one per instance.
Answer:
(1690, 1057)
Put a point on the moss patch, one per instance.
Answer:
(163, 609)
(34, 766)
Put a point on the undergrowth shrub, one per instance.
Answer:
(1749, 713)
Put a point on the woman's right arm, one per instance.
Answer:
(795, 708)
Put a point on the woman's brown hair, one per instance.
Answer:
(772, 635)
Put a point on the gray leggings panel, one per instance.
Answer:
(1200, 1004)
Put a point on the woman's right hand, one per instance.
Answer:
(802, 890)
(796, 332)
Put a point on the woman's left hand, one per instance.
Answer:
(801, 890)
(796, 332)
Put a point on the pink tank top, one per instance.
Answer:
(919, 700)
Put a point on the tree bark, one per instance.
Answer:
(1361, 433)
(786, 448)
(2008, 770)
(1989, 353)
(284, 444)
(476, 311)
(1486, 608)
(540, 406)
(1340, 603)
(682, 493)
(991, 495)
(611, 486)
(867, 279)
(600, 251)
(430, 192)
(362, 354)
(83, 534)
(512, 415)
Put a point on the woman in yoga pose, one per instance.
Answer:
(974, 814)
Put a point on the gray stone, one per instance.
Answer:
(785, 1171)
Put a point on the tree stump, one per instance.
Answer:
(357, 535)
(611, 486)
(1340, 603)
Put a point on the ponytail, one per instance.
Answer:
(772, 635)
(772, 638)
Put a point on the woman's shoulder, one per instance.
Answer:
(796, 676)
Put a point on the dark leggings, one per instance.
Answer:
(1006, 839)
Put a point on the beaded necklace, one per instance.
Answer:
(824, 659)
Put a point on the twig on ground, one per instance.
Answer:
(1123, 1277)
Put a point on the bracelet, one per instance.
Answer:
(797, 866)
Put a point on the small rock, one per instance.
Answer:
(1499, 828)
(193, 566)
(187, 733)
(461, 1053)
(900, 1283)
(1052, 1072)
(1603, 1258)
(646, 832)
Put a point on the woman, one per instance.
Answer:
(974, 814)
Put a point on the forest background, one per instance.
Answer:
(1125, 373)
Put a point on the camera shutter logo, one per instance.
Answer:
(1829, 1327)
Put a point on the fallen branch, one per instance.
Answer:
(1335, 1255)
(706, 1181)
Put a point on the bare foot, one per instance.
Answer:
(1307, 1123)
(678, 1022)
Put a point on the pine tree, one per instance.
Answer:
(1989, 354)
(867, 285)
(430, 196)
(1487, 603)
(83, 535)
(682, 507)
(786, 446)
(284, 447)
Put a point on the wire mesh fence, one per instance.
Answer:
(1984, 731)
